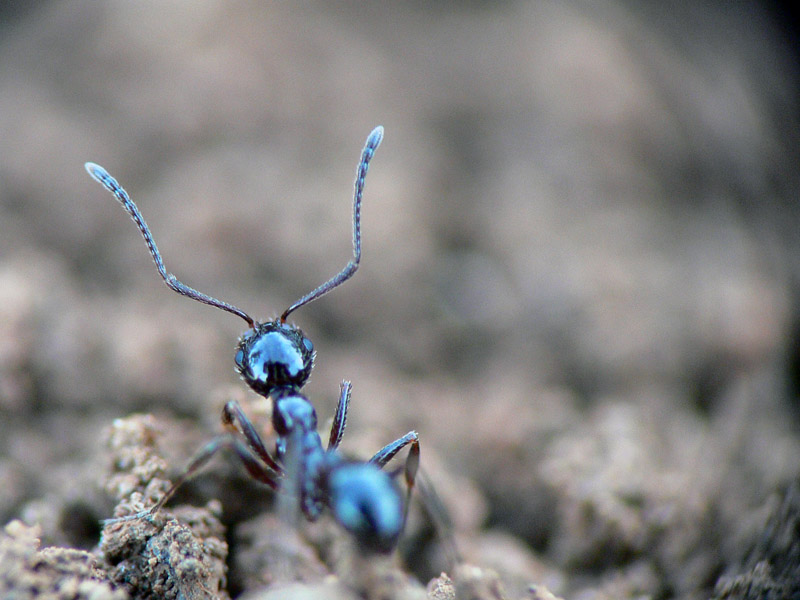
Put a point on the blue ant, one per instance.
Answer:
(275, 359)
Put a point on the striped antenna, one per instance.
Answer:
(100, 175)
(372, 143)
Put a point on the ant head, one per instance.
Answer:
(274, 355)
(368, 504)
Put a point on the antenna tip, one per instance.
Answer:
(96, 171)
(376, 136)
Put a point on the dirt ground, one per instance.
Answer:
(579, 285)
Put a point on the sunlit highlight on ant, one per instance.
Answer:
(275, 359)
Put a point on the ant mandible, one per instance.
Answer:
(275, 359)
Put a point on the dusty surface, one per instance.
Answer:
(579, 284)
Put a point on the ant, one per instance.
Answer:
(275, 359)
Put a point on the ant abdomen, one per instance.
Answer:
(274, 355)
(366, 502)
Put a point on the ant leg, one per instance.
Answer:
(385, 454)
(388, 452)
(340, 419)
(255, 468)
(233, 412)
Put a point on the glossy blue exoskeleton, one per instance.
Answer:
(275, 359)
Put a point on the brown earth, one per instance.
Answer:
(579, 285)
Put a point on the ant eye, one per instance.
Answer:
(307, 343)
(239, 359)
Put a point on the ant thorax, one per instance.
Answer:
(272, 355)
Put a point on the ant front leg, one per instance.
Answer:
(233, 412)
(340, 419)
(389, 451)
(385, 454)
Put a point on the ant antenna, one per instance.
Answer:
(100, 175)
(372, 143)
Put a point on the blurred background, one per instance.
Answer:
(580, 269)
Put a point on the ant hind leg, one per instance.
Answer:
(255, 468)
